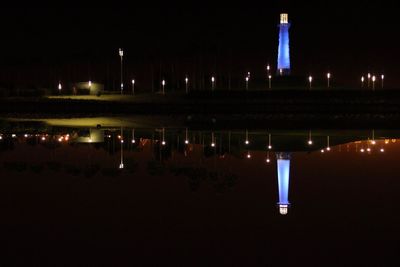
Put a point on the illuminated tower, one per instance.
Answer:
(283, 49)
(283, 161)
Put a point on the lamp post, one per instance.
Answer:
(310, 79)
(90, 86)
(163, 86)
(382, 79)
(59, 87)
(121, 165)
(187, 84)
(369, 79)
(269, 81)
(247, 83)
(373, 82)
(362, 81)
(133, 87)
(328, 76)
(213, 83)
(310, 141)
(268, 69)
(121, 54)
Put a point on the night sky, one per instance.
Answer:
(43, 44)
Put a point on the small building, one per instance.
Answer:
(89, 88)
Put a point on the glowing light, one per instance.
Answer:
(186, 142)
(322, 151)
(382, 150)
(248, 155)
(43, 138)
(133, 81)
(1, 137)
(90, 83)
(133, 141)
(59, 86)
(212, 79)
(369, 149)
(387, 141)
(13, 135)
(362, 150)
(121, 52)
(25, 135)
(121, 166)
(374, 78)
(328, 75)
(247, 142)
(163, 143)
(328, 149)
(268, 160)
(213, 144)
(247, 79)
(268, 67)
(373, 142)
(186, 80)
(284, 48)
(163, 83)
(310, 142)
(283, 182)
(382, 77)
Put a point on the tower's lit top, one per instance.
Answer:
(284, 18)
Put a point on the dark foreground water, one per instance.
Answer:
(120, 196)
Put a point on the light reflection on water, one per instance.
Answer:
(189, 152)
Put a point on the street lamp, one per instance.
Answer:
(269, 141)
(328, 76)
(369, 79)
(213, 83)
(247, 83)
(268, 68)
(163, 137)
(362, 81)
(187, 136)
(382, 79)
(133, 136)
(310, 79)
(59, 87)
(187, 84)
(247, 138)
(163, 86)
(310, 142)
(121, 54)
(121, 165)
(269, 81)
(133, 87)
(373, 82)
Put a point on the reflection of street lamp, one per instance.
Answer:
(310, 141)
(163, 137)
(328, 76)
(133, 87)
(269, 141)
(310, 79)
(163, 87)
(133, 136)
(121, 165)
(121, 54)
(187, 84)
(247, 138)
(186, 136)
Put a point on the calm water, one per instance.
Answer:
(115, 195)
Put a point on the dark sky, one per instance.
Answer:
(347, 37)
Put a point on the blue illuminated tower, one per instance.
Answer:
(284, 49)
(283, 161)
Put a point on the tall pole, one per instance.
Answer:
(121, 54)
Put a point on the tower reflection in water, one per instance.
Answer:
(165, 144)
(283, 167)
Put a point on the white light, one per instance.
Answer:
(90, 83)
(310, 78)
(373, 142)
(310, 142)
(59, 86)
(369, 75)
(270, 77)
(374, 78)
(269, 147)
(213, 144)
(121, 52)
(163, 82)
(382, 76)
(213, 79)
(382, 150)
(247, 79)
(121, 166)
(362, 150)
(186, 79)
(247, 142)
(283, 209)
(133, 141)
(248, 155)
(268, 160)
(43, 138)
(328, 75)
(186, 142)
(122, 141)
(133, 81)
(13, 135)
(1, 137)
(25, 135)
(163, 143)
(322, 151)
(328, 149)
(369, 149)
(362, 79)
(268, 67)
